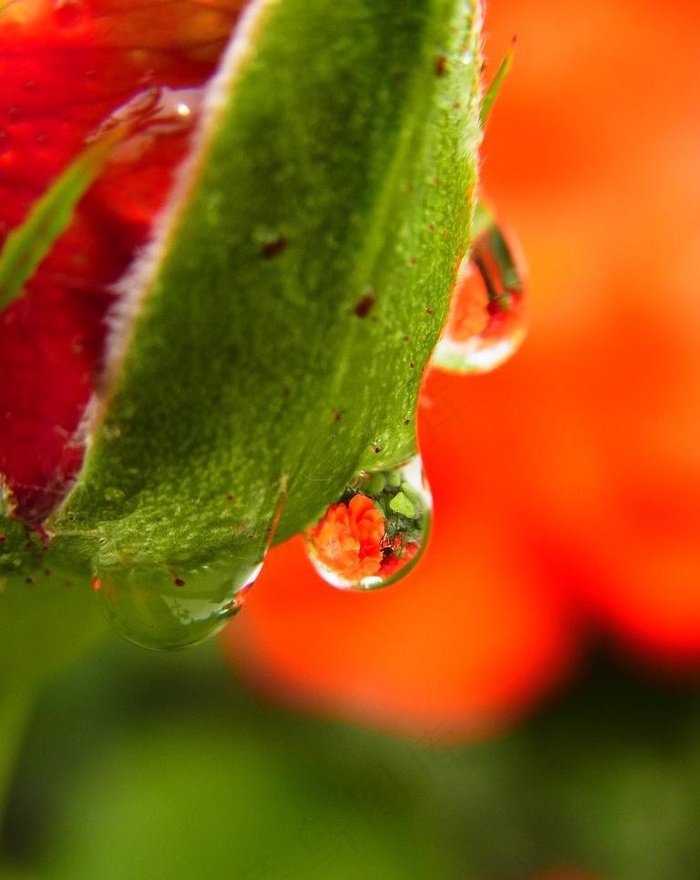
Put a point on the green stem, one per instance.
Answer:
(26, 246)
(495, 86)
(16, 703)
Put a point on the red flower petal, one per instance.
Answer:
(68, 65)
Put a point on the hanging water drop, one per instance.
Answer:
(163, 607)
(486, 322)
(376, 532)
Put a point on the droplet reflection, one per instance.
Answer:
(486, 322)
(376, 532)
(159, 607)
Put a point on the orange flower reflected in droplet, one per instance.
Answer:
(348, 539)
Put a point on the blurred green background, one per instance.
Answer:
(162, 767)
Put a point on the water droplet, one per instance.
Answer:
(486, 323)
(162, 607)
(152, 113)
(376, 532)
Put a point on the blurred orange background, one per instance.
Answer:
(566, 483)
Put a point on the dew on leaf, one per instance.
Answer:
(152, 112)
(153, 609)
(376, 532)
(486, 322)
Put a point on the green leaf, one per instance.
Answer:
(305, 274)
(401, 503)
(270, 344)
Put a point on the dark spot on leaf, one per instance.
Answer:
(406, 338)
(437, 181)
(431, 227)
(29, 581)
(47, 573)
(412, 365)
(3, 538)
(376, 448)
(364, 306)
(428, 311)
(457, 105)
(337, 415)
(407, 421)
(440, 65)
(179, 582)
(229, 498)
(272, 248)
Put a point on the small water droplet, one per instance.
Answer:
(486, 323)
(376, 532)
(152, 113)
(157, 607)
